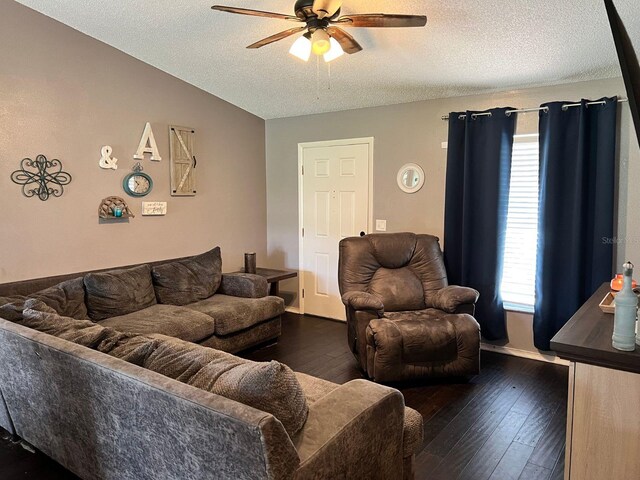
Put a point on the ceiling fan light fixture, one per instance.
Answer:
(320, 42)
(335, 51)
(301, 48)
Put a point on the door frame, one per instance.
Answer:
(327, 143)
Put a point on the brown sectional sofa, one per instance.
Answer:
(238, 315)
(104, 418)
(113, 405)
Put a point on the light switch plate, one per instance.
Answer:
(444, 145)
(381, 225)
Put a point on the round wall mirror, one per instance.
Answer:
(410, 178)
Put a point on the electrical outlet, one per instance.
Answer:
(444, 145)
(381, 225)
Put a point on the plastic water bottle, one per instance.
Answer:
(624, 325)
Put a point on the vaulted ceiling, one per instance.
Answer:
(467, 47)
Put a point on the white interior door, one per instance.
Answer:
(335, 186)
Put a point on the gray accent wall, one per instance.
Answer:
(65, 95)
(414, 133)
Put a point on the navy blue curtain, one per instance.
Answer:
(575, 232)
(476, 202)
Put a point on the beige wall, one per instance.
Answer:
(413, 133)
(66, 95)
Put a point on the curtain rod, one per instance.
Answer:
(527, 110)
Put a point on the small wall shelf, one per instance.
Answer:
(109, 205)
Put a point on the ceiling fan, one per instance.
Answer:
(322, 22)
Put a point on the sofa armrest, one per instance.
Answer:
(364, 301)
(245, 285)
(450, 298)
(355, 431)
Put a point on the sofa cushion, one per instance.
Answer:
(233, 314)
(126, 346)
(41, 317)
(413, 434)
(119, 292)
(11, 307)
(66, 298)
(399, 289)
(268, 386)
(315, 388)
(170, 320)
(189, 280)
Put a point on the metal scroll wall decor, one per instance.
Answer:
(41, 177)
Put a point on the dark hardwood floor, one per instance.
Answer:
(506, 423)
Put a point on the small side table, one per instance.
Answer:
(274, 277)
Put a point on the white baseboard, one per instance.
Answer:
(516, 352)
(295, 310)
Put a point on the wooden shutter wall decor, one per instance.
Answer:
(183, 161)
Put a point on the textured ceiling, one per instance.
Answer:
(467, 47)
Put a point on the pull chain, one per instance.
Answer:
(329, 70)
(317, 77)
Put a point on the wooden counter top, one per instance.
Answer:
(586, 338)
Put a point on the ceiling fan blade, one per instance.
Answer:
(277, 36)
(255, 13)
(326, 8)
(346, 41)
(382, 20)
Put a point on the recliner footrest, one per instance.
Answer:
(433, 346)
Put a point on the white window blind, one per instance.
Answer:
(518, 278)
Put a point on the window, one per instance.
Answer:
(519, 271)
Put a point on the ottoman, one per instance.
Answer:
(420, 344)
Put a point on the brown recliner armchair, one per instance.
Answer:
(404, 320)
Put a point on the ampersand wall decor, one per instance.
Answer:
(41, 177)
(107, 161)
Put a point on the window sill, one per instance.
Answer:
(518, 308)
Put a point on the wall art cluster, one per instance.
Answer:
(43, 178)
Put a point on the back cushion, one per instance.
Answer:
(127, 346)
(11, 307)
(119, 292)
(393, 250)
(187, 281)
(399, 289)
(271, 387)
(66, 298)
(43, 318)
(404, 269)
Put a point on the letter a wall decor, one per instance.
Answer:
(148, 145)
